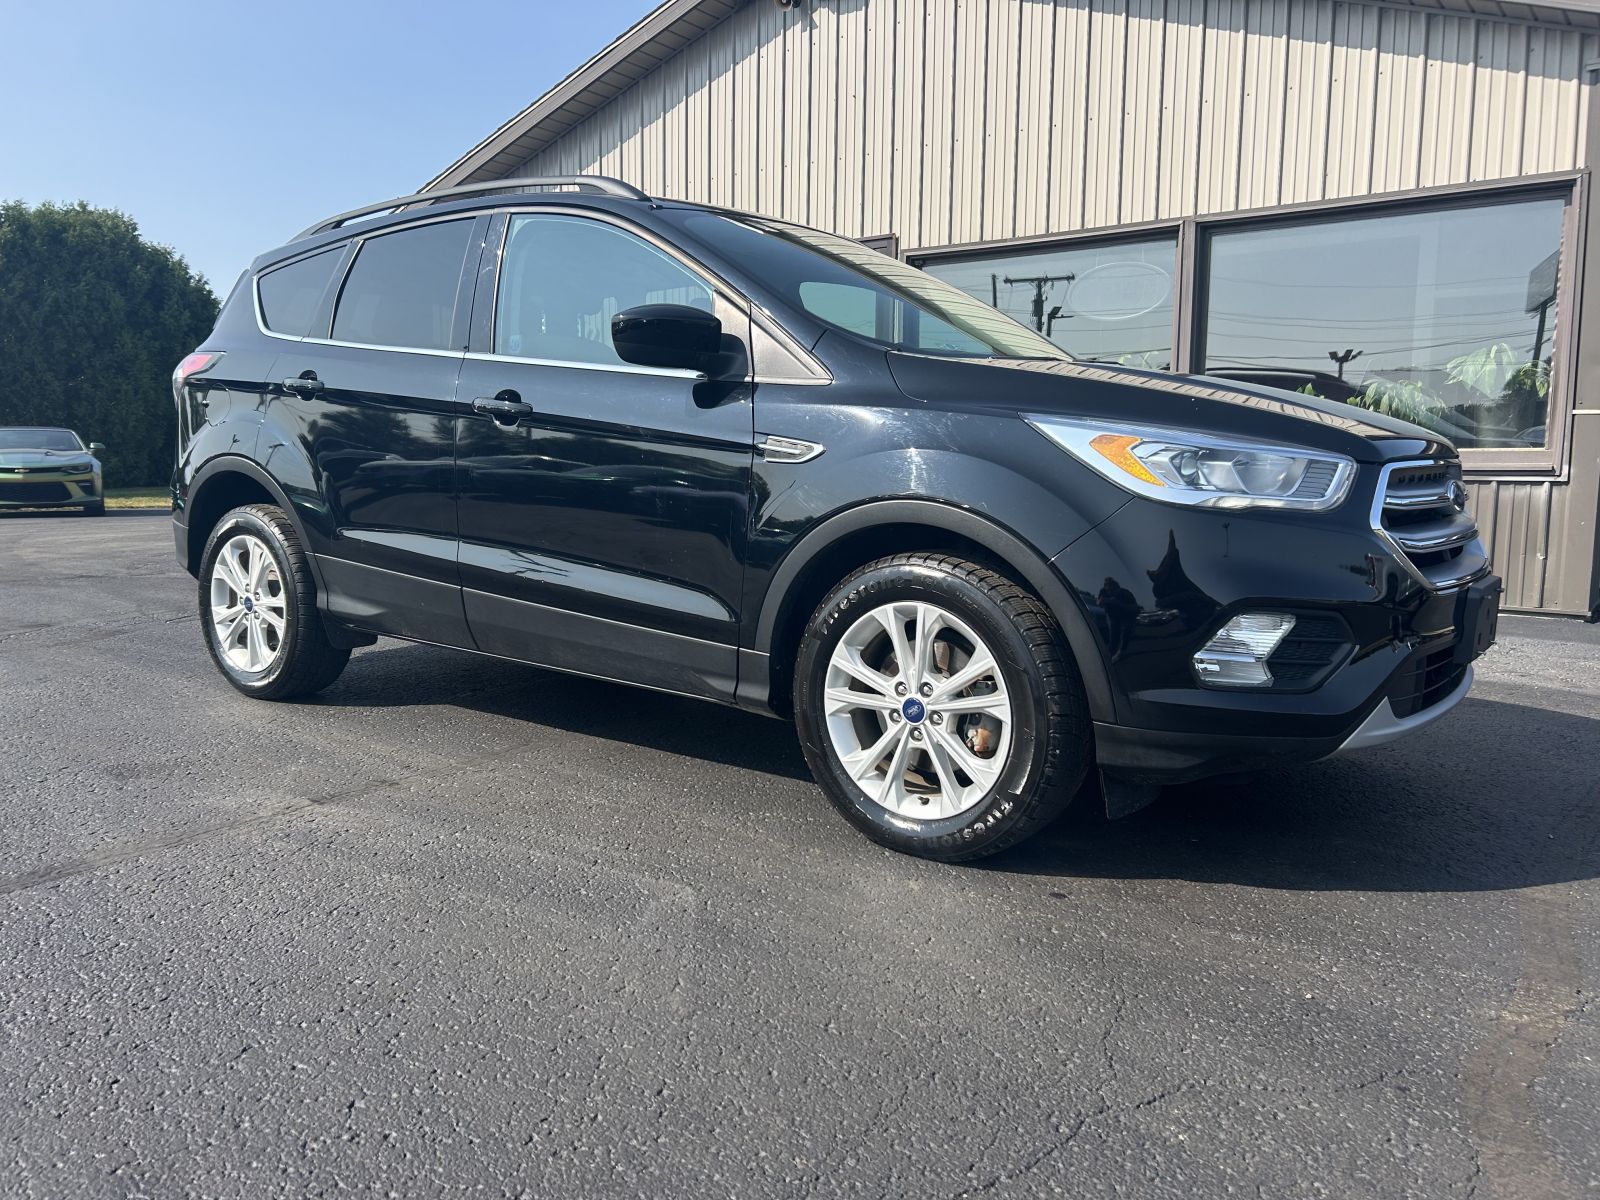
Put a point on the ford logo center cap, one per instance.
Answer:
(913, 710)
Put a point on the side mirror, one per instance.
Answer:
(96, 447)
(667, 335)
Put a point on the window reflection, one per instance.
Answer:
(564, 278)
(1110, 302)
(1446, 318)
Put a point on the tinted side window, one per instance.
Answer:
(401, 290)
(565, 278)
(290, 295)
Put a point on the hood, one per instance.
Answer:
(1197, 402)
(42, 458)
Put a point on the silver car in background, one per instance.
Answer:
(50, 468)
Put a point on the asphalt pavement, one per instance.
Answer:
(460, 927)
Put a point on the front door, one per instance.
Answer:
(373, 404)
(602, 506)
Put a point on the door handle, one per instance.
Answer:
(505, 407)
(304, 385)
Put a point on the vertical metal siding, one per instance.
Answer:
(997, 118)
(947, 122)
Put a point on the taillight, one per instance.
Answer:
(193, 364)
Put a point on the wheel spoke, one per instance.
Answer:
(893, 794)
(861, 763)
(995, 703)
(929, 622)
(259, 561)
(979, 665)
(849, 661)
(950, 789)
(229, 570)
(982, 772)
(275, 619)
(893, 622)
(226, 633)
(844, 699)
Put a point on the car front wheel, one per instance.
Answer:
(939, 707)
(258, 608)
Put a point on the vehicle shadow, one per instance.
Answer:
(399, 674)
(1496, 796)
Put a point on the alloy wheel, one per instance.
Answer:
(917, 710)
(249, 613)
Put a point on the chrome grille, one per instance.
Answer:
(1422, 512)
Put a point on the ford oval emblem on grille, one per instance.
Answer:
(1458, 495)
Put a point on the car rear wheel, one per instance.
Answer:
(939, 707)
(258, 608)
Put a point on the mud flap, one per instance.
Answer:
(1124, 797)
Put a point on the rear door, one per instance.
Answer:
(603, 529)
(371, 399)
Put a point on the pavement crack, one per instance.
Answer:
(1056, 1148)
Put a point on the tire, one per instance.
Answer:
(1020, 770)
(97, 509)
(280, 651)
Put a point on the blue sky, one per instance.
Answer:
(225, 127)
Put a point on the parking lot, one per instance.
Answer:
(460, 926)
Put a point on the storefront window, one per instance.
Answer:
(1109, 302)
(1446, 318)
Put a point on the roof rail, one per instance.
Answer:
(603, 184)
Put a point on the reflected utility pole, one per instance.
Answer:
(1344, 356)
(1041, 289)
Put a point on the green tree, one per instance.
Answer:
(93, 319)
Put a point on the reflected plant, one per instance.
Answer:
(1486, 370)
(1403, 400)
(1146, 360)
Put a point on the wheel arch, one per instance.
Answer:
(222, 485)
(860, 535)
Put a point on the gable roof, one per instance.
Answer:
(676, 23)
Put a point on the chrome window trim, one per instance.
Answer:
(716, 285)
(619, 368)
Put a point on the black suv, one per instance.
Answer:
(557, 421)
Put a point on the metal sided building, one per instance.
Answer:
(1387, 203)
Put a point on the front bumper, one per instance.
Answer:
(1157, 582)
(47, 489)
(1384, 725)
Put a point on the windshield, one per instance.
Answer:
(39, 439)
(844, 284)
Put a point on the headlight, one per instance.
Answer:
(1183, 467)
(79, 469)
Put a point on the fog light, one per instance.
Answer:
(1237, 655)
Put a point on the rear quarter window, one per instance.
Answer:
(401, 290)
(291, 295)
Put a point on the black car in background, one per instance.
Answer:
(562, 422)
(50, 468)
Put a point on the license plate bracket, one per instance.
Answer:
(1477, 618)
